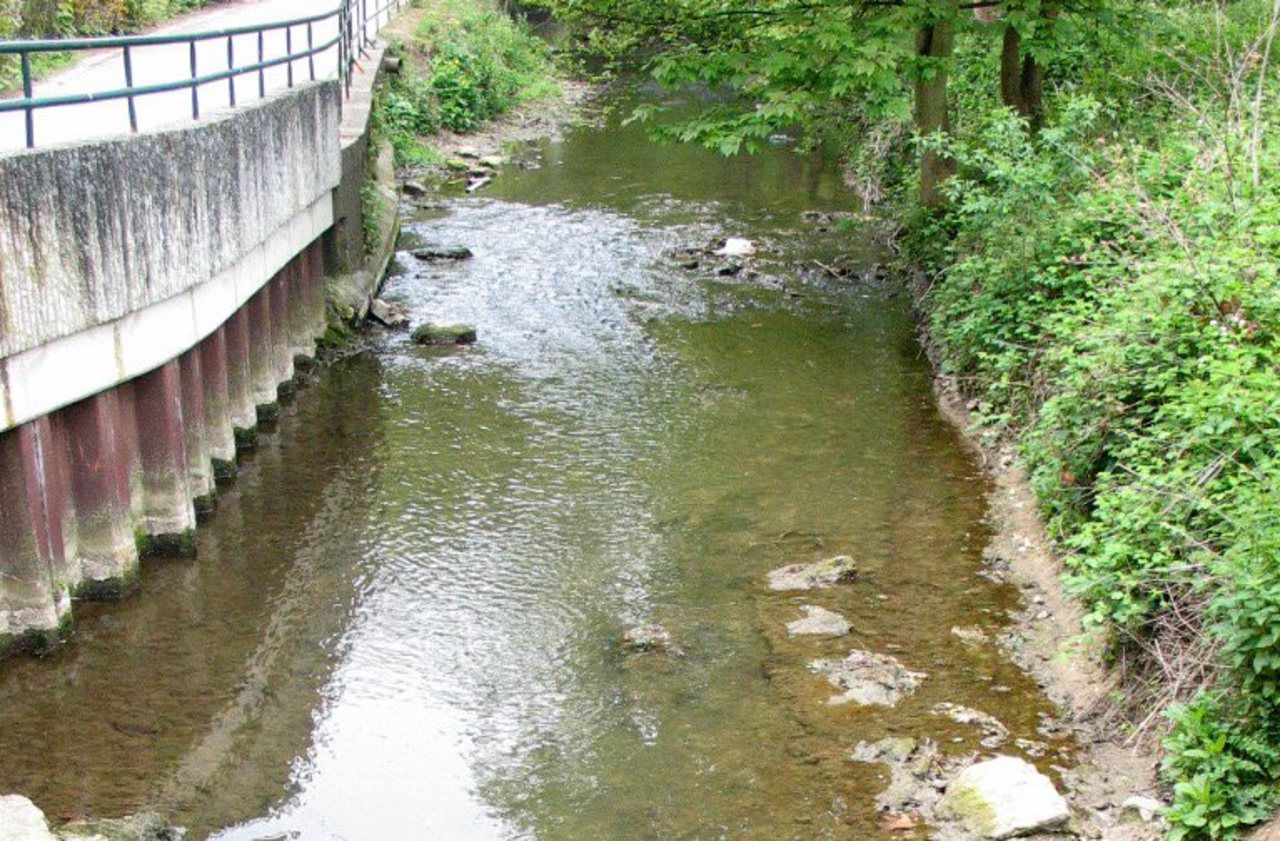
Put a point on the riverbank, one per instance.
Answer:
(1102, 313)
(1048, 639)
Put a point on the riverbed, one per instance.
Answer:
(406, 616)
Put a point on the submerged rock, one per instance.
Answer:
(434, 333)
(438, 252)
(819, 622)
(22, 820)
(915, 772)
(388, 315)
(1003, 797)
(838, 570)
(649, 638)
(868, 679)
(994, 733)
(144, 827)
(970, 635)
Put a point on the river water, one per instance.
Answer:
(404, 622)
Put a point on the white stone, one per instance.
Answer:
(736, 247)
(1146, 808)
(22, 820)
(819, 622)
(1005, 797)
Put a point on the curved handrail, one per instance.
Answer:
(353, 39)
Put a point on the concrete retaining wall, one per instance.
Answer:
(156, 295)
(117, 256)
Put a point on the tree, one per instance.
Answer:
(811, 62)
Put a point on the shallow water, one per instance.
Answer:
(405, 617)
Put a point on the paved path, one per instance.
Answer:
(171, 62)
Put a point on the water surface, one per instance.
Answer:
(405, 618)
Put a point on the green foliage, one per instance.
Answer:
(75, 18)
(1226, 770)
(466, 64)
(1108, 289)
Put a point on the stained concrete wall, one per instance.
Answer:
(117, 256)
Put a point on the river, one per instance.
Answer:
(406, 614)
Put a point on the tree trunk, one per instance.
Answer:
(936, 42)
(1022, 77)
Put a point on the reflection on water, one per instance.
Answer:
(405, 619)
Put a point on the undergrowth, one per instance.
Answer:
(1107, 289)
(466, 63)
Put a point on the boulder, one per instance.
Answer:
(432, 253)
(22, 820)
(445, 334)
(389, 315)
(868, 679)
(644, 638)
(838, 570)
(492, 161)
(819, 622)
(143, 827)
(1005, 797)
(413, 188)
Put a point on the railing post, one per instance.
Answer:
(26, 94)
(195, 83)
(311, 58)
(262, 71)
(231, 66)
(128, 83)
(288, 50)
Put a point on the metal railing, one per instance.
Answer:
(355, 35)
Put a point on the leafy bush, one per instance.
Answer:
(1108, 289)
(465, 65)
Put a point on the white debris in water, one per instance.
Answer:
(736, 247)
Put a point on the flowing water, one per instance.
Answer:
(405, 618)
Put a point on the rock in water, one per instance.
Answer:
(445, 334)
(994, 733)
(819, 622)
(413, 188)
(1005, 797)
(389, 315)
(868, 679)
(838, 570)
(22, 820)
(648, 638)
(144, 827)
(437, 252)
(736, 247)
